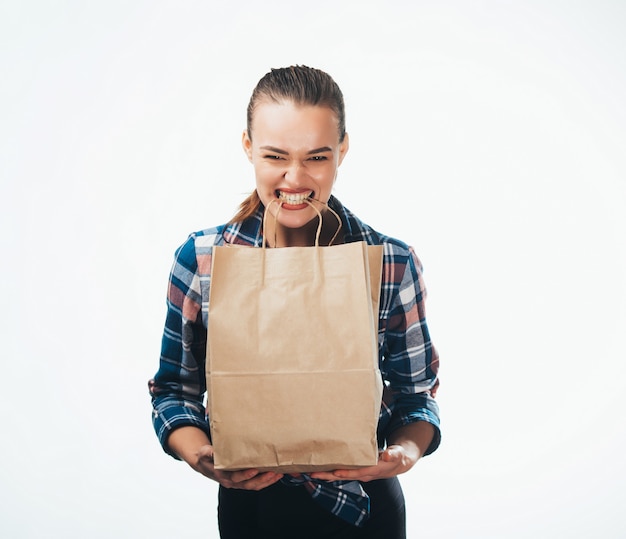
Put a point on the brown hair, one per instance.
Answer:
(303, 86)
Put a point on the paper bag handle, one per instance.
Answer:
(319, 225)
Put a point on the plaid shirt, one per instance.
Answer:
(408, 360)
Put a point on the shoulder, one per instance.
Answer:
(395, 251)
(400, 261)
(357, 230)
(197, 247)
(201, 239)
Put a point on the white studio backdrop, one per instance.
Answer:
(490, 135)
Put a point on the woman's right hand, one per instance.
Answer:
(242, 479)
(192, 445)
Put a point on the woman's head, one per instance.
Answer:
(300, 85)
(295, 139)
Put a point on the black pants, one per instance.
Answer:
(289, 512)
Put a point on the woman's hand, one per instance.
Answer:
(406, 446)
(393, 461)
(241, 479)
(192, 445)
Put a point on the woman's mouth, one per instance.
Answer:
(293, 199)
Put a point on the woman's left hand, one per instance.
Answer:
(391, 462)
(406, 446)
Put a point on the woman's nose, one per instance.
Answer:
(295, 173)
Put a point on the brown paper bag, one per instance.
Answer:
(292, 358)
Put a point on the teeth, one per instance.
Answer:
(294, 198)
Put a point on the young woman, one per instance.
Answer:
(296, 140)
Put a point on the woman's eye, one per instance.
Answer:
(272, 157)
(319, 158)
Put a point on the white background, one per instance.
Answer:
(488, 134)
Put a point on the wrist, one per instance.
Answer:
(187, 442)
(414, 438)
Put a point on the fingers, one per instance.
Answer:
(251, 480)
(360, 474)
(389, 465)
(241, 476)
(248, 479)
(327, 476)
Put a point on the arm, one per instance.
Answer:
(410, 367)
(411, 362)
(178, 387)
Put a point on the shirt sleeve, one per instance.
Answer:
(178, 388)
(411, 361)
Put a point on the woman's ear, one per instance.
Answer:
(343, 148)
(247, 144)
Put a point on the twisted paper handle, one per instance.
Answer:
(319, 225)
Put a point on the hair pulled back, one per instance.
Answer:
(301, 85)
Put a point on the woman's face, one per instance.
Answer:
(295, 151)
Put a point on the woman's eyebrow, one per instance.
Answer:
(274, 149)
(320, 150)
(283, 152)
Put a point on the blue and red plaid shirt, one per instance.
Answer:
(408, 360)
